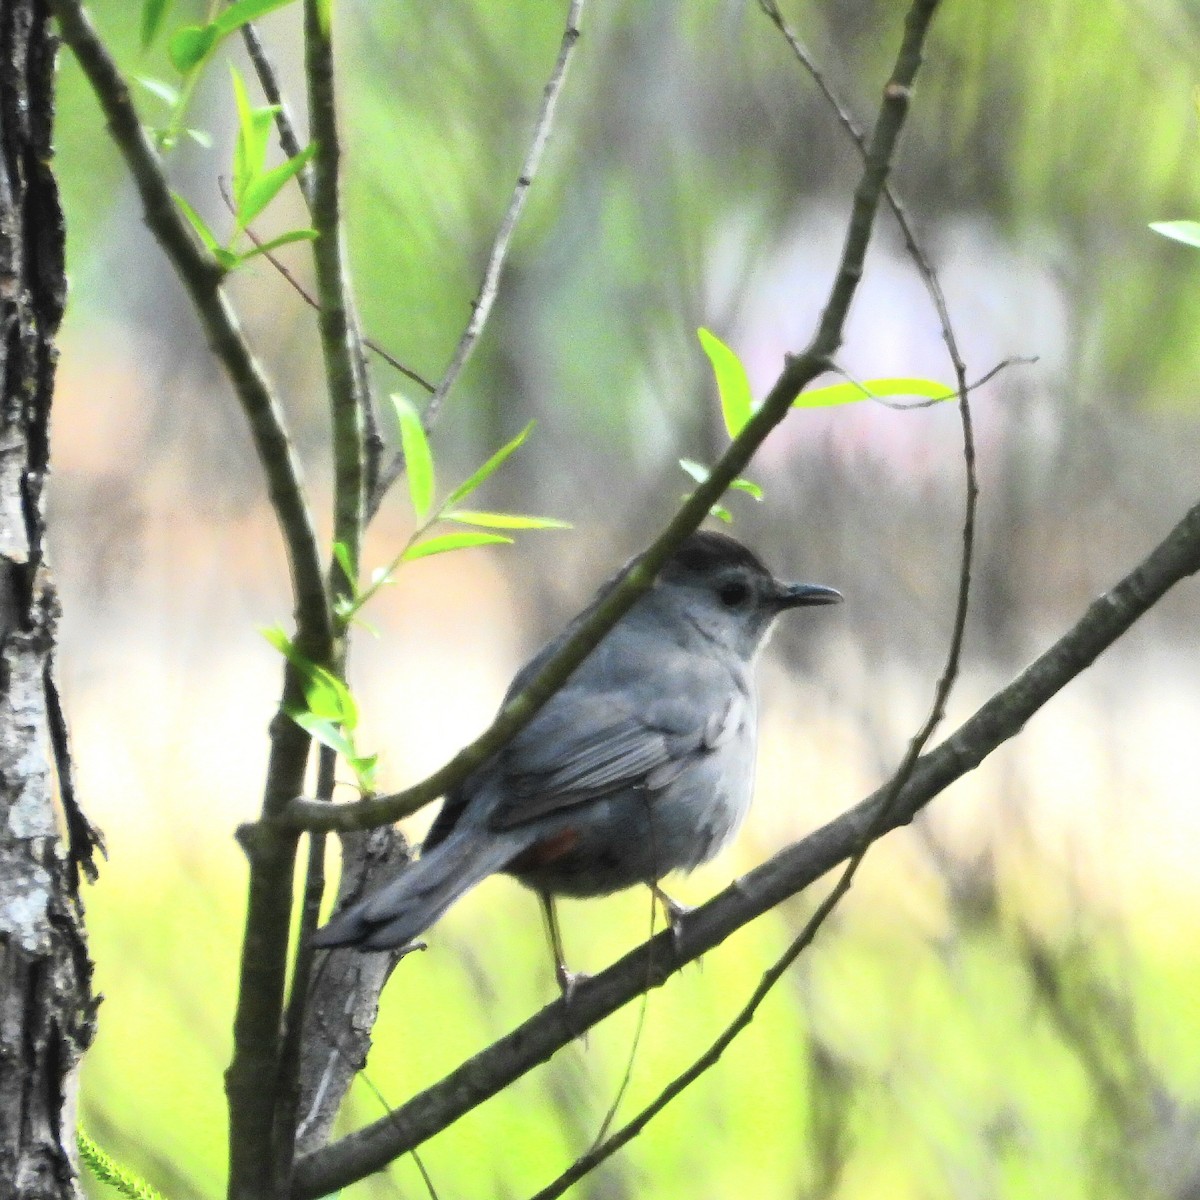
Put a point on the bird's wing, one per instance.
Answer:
(593, 744)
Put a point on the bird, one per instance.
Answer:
(641, 764)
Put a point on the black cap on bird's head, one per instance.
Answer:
(715, 584)
(712, 559)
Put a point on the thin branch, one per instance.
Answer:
(333, 286)
(284, 270)
(268, 80)
(201, 277)
(787, 873)
(481, 306)
(289, 143)
(799, 371)
(288, 1086)
(263, 967)
(945, 685)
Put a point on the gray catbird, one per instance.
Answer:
(642, 764)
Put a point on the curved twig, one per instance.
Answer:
(481, 306)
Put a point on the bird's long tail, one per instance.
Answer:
(422, 892)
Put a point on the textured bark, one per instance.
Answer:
(344, 999)
(46, 1004)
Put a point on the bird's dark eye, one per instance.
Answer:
(733, 594)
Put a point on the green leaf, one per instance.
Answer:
(364, 767)
(153, 12)
(237, 15)
(284, 239)
(198, 223)
(341, 553)
(493, 520)
(201, 137)
(229, 259)
(418, 458)
(452, 541)
(156, 87)
(722, 514)
(325, 695)
(264, 187)
(489, 468)
(699, 472)
(1187, 232)
(872, 389)
(250, 150)
(733, 386)
(188, 46)
(751, 489)
(323, 730)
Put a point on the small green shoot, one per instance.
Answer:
(329, 713)
(422, 543)
(255, 184)
(737, 402)
(699, 472)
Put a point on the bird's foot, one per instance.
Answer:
(674, 911)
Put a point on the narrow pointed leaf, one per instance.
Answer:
(237, 15)
(156, 87)
(493, 520)
(263, 188)
(284, 239)
(198, 223)
(325, 695)
(341, 552)
(469, 484)
(453, 541)
(323, 730)
(751, 489)
(733, 385)
(153, 13)
(872, 389)
(1187, 232)
(418, 458)
(698, 471)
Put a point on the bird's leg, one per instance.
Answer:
(567, 980)
(674, 911)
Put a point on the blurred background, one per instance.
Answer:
(1006, 1004)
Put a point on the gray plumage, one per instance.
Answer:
(642, 764)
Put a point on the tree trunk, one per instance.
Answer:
(46, 1003)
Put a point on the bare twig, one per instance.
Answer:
(289, 143)
(915, 29)
(202, 277)
(787, 873)
(799, 370)
(481, 306)
(289, 277)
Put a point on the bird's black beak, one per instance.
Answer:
(798, 595)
